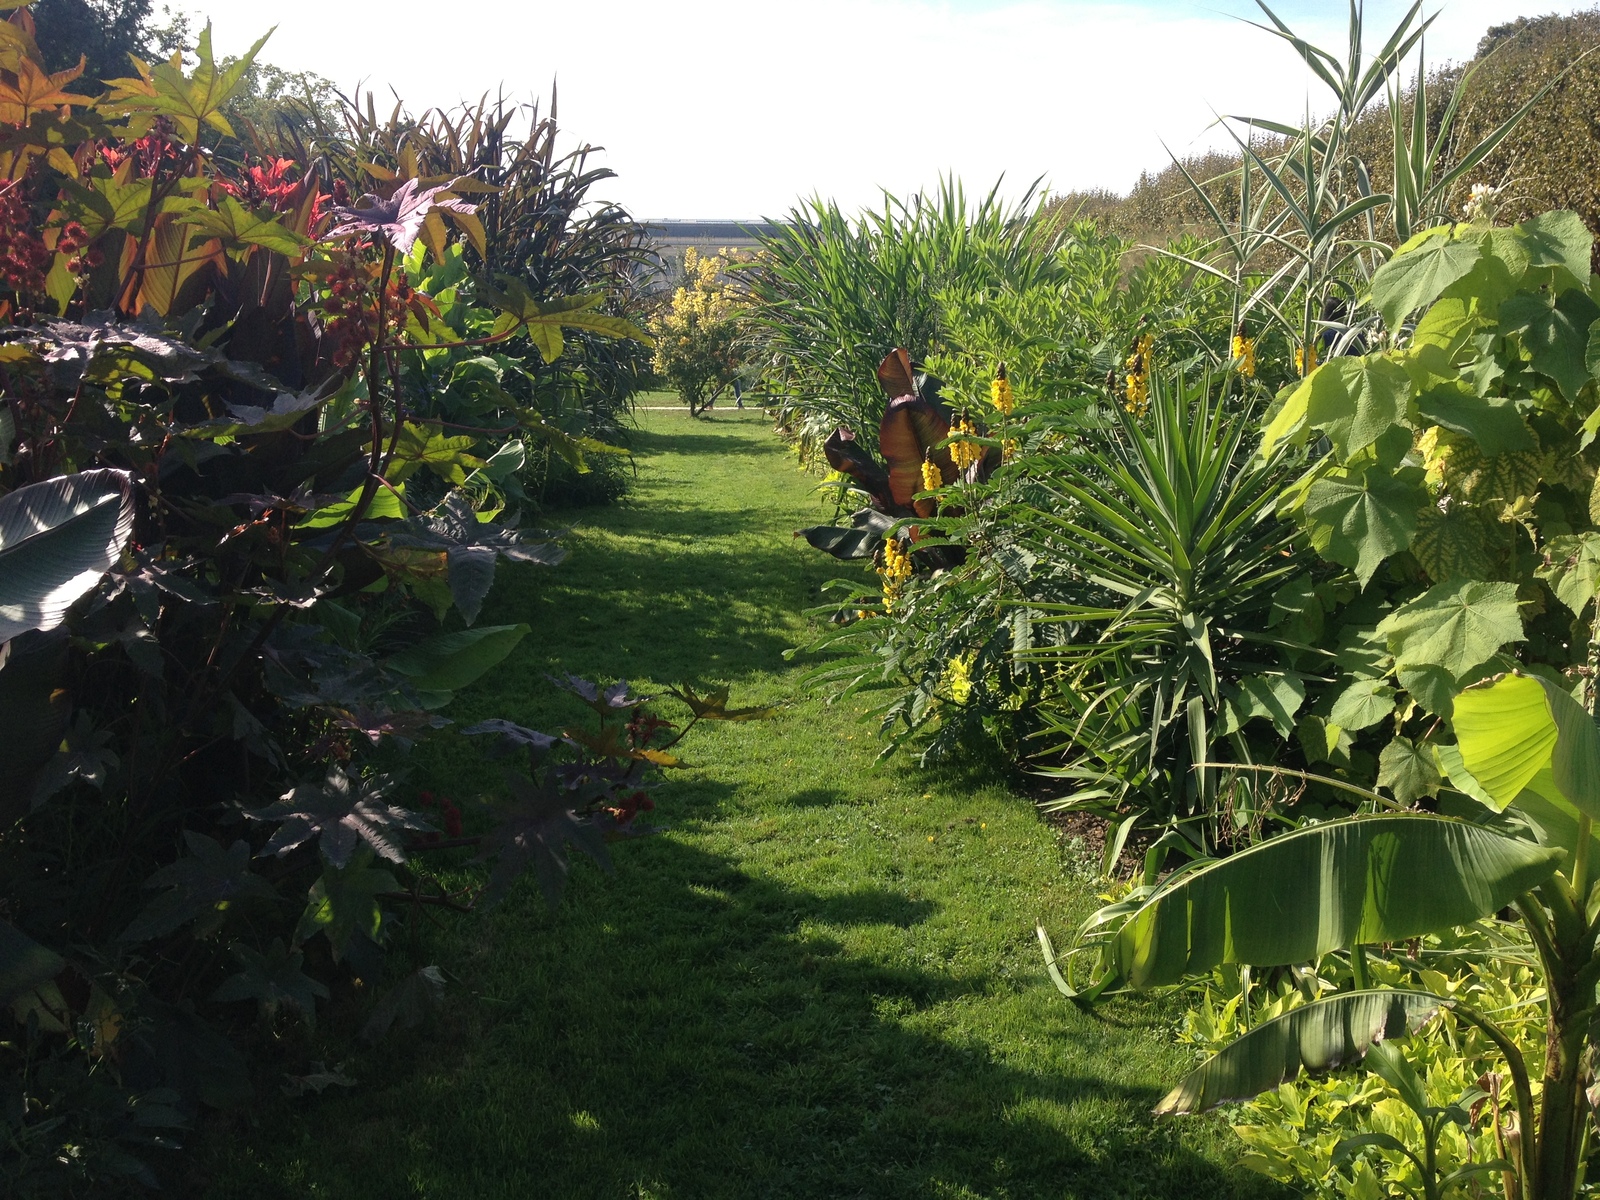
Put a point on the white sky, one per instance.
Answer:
(723, 108)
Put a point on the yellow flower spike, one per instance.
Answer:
(895, 571)
(932, 481)
(958, 675)
(963, 452)
(1305, 359)
(1000, 392)
(1136, 384)
(1244, 353)
(1010, 449)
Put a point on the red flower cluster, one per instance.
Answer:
(74, 241)
(23, 257)
(449, 815)
(150, 153)
(268, 183)
(352, 308)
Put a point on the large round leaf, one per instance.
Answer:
(1320, 1036)
(57, 538)
(1294, 898)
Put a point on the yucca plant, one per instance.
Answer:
(1164, 524)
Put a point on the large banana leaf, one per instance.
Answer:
(24, 964)
(1320, 1036)
(57, 538)
(1296, 897)
(1522, 725)
(448, 662)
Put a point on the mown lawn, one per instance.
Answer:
(821, 981)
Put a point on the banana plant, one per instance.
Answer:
(912, 436)
(1528, 757)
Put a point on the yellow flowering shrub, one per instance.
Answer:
(696, 349)
(1000, 393)
(964, 452)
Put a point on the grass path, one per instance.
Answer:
(821, 982)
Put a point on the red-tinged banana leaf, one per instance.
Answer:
(849, 457)
(912, 428)
(895, 375)
(862, 538)
(915, 422)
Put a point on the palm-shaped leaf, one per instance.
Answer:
(272, 980)
(1321, 1036)
(201, 886)
(341, 812)
(535, 833)
(57, 538)
(543, 320)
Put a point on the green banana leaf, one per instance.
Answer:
(24, 964)
(448, 662)
(1320, 1036)
(1296, 897)
(57, 538)
(1520, 726)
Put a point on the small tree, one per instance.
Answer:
(695, 332)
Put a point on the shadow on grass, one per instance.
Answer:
(710, 441)
(687, 1029)
(691, 1028)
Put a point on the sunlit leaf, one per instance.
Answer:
(57, 538)
(188, 101)
(1408, 770)
(237, 227)
(543, 321)
(1360, 518)
(1454, 625)
(1365, 702)
(1556, 335)
(1521, 725)
(1572, 568)
(1420, 270)
(1299, 895)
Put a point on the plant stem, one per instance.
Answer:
(1358, 968)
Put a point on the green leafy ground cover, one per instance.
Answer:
(821, 982)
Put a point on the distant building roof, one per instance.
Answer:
(673, 228)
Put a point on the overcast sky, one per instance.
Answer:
(720, 108)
